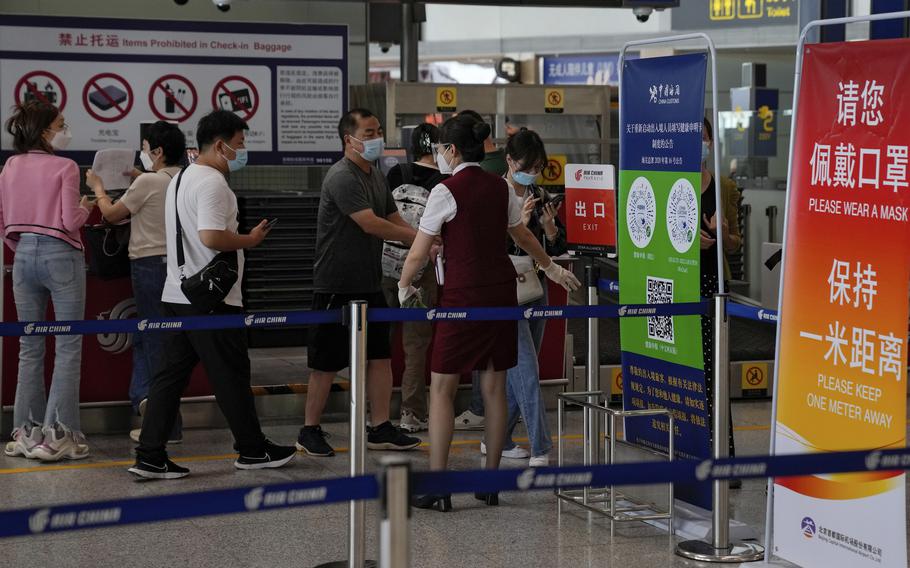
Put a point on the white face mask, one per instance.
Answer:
(444, 167)
(147, 162)
(61, 139)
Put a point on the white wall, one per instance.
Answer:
(280, 11)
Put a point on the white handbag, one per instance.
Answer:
(528, 284)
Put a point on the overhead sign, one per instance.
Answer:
(842, 378)
(588, 69)
(659, 255)
(712, 14)
(590, 209)
(446, 99)
(288, 81)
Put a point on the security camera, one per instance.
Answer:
(385, 47)
(642, 14)
(181, 2)
(223, 5)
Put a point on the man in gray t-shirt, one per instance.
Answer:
(356, 214)
(347, 257)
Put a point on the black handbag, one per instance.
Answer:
(208, 288)
(108, 250)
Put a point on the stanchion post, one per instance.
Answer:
(394, 526)
(355, 317)
(592, 371)
(720, 549)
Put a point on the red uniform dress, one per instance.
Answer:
(478, 273)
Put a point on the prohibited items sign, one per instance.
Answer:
(236, 94)
(107, 97)
(41, 86)
(173, 97)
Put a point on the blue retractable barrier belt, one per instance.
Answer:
(306, 317)
(735, 309)
(69, 517)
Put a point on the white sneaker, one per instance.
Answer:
(514, 453)
(410, 423)
(24, 444)
(68, 445)
(467, 420)
(539, 461)
(134, 436)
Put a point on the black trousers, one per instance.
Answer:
(223, 353)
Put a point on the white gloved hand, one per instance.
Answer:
(562, 276)
(404, 294)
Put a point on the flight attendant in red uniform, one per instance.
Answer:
(473, 214)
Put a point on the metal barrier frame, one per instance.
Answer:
(583, 497)
(800, 49)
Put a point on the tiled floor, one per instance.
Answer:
(526, 531)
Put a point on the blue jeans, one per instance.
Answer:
(45, 268)
(523, 395)
(148, 276)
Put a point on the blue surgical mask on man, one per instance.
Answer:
(372, 149)
(239, 160)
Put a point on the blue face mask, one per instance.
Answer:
(239, 161)
(523, 178)
(705, 150)
(372, 149)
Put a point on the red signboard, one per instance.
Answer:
(590, 209)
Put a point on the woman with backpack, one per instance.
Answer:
(411, 184)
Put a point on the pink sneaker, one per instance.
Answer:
(24, 444)
(66, 445)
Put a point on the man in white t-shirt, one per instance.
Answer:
(207, 210)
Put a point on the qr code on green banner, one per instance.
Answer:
(660, 291)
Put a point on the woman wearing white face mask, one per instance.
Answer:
(162, 151)
(471, 211)
(42, 213)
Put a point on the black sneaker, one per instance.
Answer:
(389, 437)
(164, 470)
(312, 441)
(271, 456)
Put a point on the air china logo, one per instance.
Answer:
(528, 313)
(808, 527)
(532, 478)
(663, 94)
(595, 176)
(766, 316)
(142, 325)
(873, 460)
(258, 498)
(253, 500)
(622, 311)
(431, 314)
(703, 470)
(29, 329)
(263, 320)
(541, 313)
(38, 522)
(117, 343)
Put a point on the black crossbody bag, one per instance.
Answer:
(208, 288)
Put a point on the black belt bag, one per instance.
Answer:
(208, 288)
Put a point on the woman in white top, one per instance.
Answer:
(163, 150)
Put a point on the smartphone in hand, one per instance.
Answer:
(271, 223)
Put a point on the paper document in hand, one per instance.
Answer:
(111, 164)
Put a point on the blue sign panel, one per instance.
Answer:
(590, 69)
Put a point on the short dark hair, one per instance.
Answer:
(708, 129)
(218, 125)
(526, 147)
(347, 126)
(473, 114)
(28, 123)
(467, 134)
(169, 138)
(422, 139)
